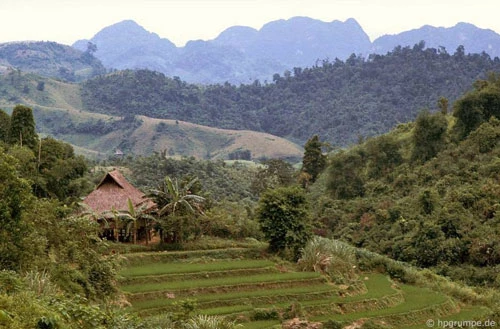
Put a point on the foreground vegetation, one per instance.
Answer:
(417, 206)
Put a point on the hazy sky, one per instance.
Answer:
(66, 21)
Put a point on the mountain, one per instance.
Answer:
(242, 54)
(50, 59)
(474, 39)
(128, 45)
(298, 41)
(237, 55)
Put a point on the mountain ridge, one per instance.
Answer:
(242, 54)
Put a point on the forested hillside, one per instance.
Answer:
(338, 100)
(50, 59)
(57, 108)
(426, 193)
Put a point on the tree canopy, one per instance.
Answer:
(22, 127)
(284, 218)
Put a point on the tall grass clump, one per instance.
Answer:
(210, 322)
(331, 257)
(40, 283)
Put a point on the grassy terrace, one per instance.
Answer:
(223, 281)
(469, 313)
(234, 284)
(312, 290)
(416, 300)
(184, 268)
(157, 258)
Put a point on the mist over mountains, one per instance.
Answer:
(242, 54)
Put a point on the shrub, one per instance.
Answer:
(295, 310)
(259, 314)
(9, 282)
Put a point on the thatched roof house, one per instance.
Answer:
(113, 193)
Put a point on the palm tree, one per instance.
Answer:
(132, 215)
(173, 200)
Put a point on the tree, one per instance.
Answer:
(14, 198)
(429, 136)
(477, 106)
(61, 168)
(22, 127)
(344, 175)
(284, 218)
(132, 216)
(443, 105)
(383, 155)
(275, 173)
(174, 201)
(4, 125)
(314, 161)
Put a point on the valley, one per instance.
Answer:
(359, 192)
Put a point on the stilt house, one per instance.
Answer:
(110, 198)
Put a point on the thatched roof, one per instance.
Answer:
(113, 192)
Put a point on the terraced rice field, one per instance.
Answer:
(232, 284)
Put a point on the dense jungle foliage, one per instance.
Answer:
(426, 193)
(338, 100)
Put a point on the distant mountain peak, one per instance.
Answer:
(471, 37)
(352, 22)
(240, 53)
(127, 29)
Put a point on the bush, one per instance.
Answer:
(332, 324)
(260, 314)
(370, 261)
(295, 310)
(9, 282)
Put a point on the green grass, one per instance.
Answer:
(193, 284)
(235, 302)
(177, 268)
(225, 310)
(377, 285)
(192, 256)
(238, 295)
(470, 313)
(416, 298)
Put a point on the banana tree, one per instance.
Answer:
(132, 215)
(174, 200)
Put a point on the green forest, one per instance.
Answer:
(338, 100)
(416, 203)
